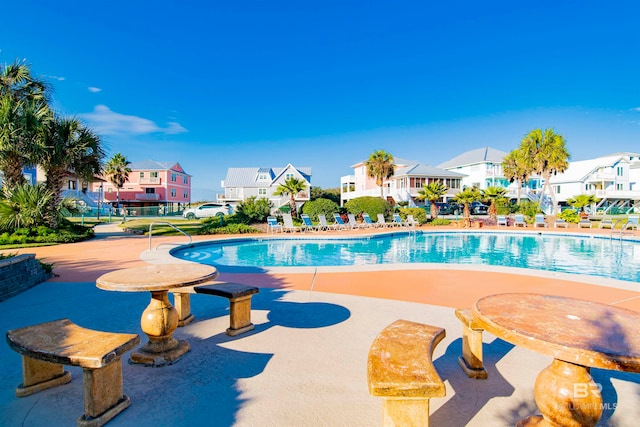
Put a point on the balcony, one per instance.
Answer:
(602, 176)
(147, 196)
(150, 180)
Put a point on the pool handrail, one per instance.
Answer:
(170, 225)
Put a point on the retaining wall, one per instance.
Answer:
(20, 273)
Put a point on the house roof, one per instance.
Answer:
(579, 170)
(248, 177)
(479, 155)
(426, 170)
(154, 165)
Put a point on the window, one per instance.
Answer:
(619, 187)
(185, 194)
(173, 192)
(289, 175)
(262, 177)
(620, 171)
(557, 189)
(150, 190)
(141, 174)
(174, 177)
(71, 185)
(185, 179)
(153, 174)
(109, 190)
(262, 191)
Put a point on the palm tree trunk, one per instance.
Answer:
(292, 206)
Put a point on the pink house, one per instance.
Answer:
(151, 184)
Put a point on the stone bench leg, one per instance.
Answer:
(103, 394)
(405, 412)
(38, 375)
(240, 315)
(182, 304)
(471, 359)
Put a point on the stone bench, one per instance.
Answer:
(401, 371)
(471, 359)
(239, 296)
(46, 347)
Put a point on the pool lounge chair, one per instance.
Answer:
(501, 220)
(272, 225)
(606, 223)
(340, 225)
(288, 224)
(352, 222)
(307, 224)
(398, 222)
(560, 223)
(382, 222)
(411, 221)
(367, 221)
(519, 221)
(324, 225)
(539, 221)
(584, 223)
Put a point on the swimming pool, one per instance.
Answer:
(611, 258)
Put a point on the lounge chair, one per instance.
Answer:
(272, 225)
(398, 222)
(539, 221)
(560, 223)
(324, 225)
(502, 220)
(367, 221)
(584, 223)
(411, 221)
(382, 222)
(606, 223)
(352, 221)
(340, 225)
(306, 223)
(519, 221)
(288, 224)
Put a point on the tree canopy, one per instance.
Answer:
(380, 166)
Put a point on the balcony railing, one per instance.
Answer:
(150, 180)
(147, 196)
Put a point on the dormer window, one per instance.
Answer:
(262, 177)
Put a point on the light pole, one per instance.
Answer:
(99, 200)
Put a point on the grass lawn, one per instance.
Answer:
(160, 228)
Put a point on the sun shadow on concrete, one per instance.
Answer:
(471, 395)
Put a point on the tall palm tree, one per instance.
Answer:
(493, 194)
(23, 109)
(549, 155)
(68, 146)
(515, 168)
(291, 186)
(433, 192)
(117, 171)
(466, 197)
(380, 166)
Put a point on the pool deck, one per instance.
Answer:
(305, 363)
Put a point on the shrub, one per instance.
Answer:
(371, 205)
(253, 210)
(419, 214)
(440, 221)
(216, 228)
(528, 208)
(569, 215)
(320, 206)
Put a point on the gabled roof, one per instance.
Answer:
(479, 155)
(247, 177)
(579, 170)
(426, 170)
(153, 165)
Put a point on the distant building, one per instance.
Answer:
(262, 182)
(408, 179)
(151, 184)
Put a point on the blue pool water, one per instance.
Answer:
(611, 258)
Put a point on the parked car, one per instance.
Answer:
(478, 208)
(443, 208)
(208, 209)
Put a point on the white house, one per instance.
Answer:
(613, 179)
(262, 182)
(409, 177)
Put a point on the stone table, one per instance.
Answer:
(579, 335)
(160, 319)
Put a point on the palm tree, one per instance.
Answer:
(515, 168)
(380, 166)
(291, 186)
(25, 206)
(117, 171)
(582, 200)
(548, 153)
(16, 81)
(68, 146)
(493, 194)
(433, 192)
(466, 197)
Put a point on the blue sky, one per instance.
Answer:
(222, 84)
